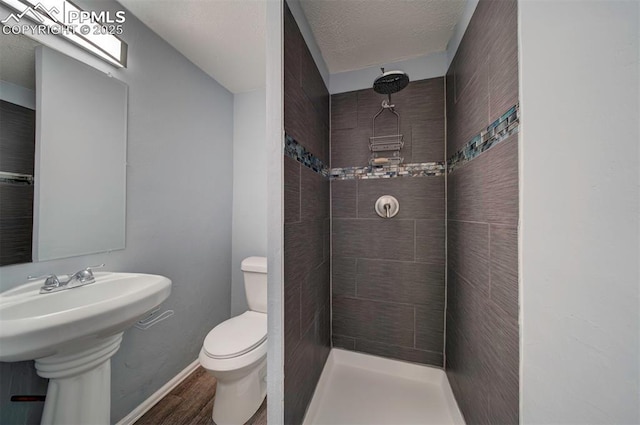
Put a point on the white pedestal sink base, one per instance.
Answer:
(79, 389)
(72, 335)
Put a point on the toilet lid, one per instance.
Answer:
(236, 336)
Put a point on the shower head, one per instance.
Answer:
(390, 82)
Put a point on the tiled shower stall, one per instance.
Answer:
(438, 283)
(388, 277)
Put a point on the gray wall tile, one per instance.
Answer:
(343, 198)
(16, 200)
(369, 103)
(292, 47)
(466, 191)
(306, 230)
(400, 353)
(291, 319)
(465, 372)
(427, 141)
(350, 147)
(343, 276)
(430, 327)
(345, 342)
(486, 188)
(501, 182)
(504, 268)
(401, 282)
(295, 106)
(424, 100)
(303, 249)
(17, 147)
(473, 109)
(472, 52)
(15, 240)
(344, 110)
(291, 190)
(419, 197)
(503, 63)
(430, 241)
(503, 349)
(430, 316)
(327, 239)
(315, 142)
(314, 294)
(482, 289)
(377, 321)
(466, 315)
(468, 252)
(374, 238)
(18, 138)
(302, 370)
(314, 189)
(313, 86)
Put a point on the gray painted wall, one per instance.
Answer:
(249, 188)
(179, 197)
(580, 322)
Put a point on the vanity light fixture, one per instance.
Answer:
(95, 32)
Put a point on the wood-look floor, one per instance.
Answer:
(191, 403)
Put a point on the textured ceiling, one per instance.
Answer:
(225, 38)
(18, 60)
(356, 34)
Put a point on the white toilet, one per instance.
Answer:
(235, 352)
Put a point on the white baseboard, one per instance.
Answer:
(146, 405)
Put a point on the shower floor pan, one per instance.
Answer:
(357, 388)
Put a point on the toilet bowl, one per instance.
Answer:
(235, 352)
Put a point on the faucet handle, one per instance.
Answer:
(85, 275)
(50, 282)
(51, 279)
(99, 266)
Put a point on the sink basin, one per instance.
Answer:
(34, 325)
(72, 334)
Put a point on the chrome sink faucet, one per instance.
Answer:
(52, 282)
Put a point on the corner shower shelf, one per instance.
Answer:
(386, 143)
(390, 145)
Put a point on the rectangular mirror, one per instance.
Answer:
(79, 176)
(80, 159)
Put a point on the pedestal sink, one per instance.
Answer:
(73, 334)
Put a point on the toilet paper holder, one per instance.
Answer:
(387, 206)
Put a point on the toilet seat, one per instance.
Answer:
(236, 336)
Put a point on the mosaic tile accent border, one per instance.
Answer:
(388, 171)
(500, 129)
(295, 150)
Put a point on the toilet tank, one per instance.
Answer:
(254, 270)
